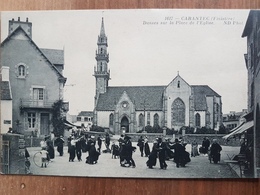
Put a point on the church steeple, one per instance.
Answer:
(101, 71)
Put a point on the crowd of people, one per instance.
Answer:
(123, 149)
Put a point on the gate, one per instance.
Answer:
(5, 157)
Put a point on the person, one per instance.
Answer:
(107, 142)
(59, 142)
(50, 148)
(161, 149)
(93, 153)
(205, 146)
(121, 143)
(69, 142)
(44, 157)
(72, 149)
(99, 140)
(194, 148)
(215, 151)
(140, 144)
(178, 153)
(127, 151)
(146, 147)
(27, 161)
(152, 158)
(78, 148)
(115, 150)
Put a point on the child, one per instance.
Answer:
(44, 155)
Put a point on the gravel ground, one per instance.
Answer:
(199, 167)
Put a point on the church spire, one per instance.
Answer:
(102, 30)
(101, 71)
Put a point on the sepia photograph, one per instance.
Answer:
(137, 93)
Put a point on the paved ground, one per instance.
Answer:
(199, 167)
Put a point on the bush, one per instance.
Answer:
(97, 128)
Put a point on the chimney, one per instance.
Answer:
(26, 26)
(5, 73)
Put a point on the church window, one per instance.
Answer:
(178, 85)
(141, 120)
(101, 50)
(156, 119)
(197, 120)
(178, 112)
(111, 119)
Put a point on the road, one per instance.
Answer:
(199, 167)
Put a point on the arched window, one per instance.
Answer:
(141, 120)
(21, 71)
(101, 50)
(197, 120)
(178, 112)
(111, 119)
(156, 119)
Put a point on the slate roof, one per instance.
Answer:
(54, 55)
(5, 91)
(153, 96)
(86, 113)
(200, 93)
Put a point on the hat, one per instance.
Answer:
(92, 136)
(176, 140)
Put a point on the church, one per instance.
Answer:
(131, 108)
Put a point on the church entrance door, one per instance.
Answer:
(125, 124)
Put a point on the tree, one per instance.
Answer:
(58, 118)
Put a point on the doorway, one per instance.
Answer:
(125, 124)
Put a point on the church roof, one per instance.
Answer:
(5, 91)
(200, 93)
(54, 55)
(152, 95)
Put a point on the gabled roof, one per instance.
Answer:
(54, 55)
(5, 91)
(86, 113)
(200, 93)
(19, 28)
(249, 23)
(152, 95)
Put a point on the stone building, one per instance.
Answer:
(131, 108)
(36, 78)
(252, 58)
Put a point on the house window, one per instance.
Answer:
(85, 118)
(197, 120)
(78, 118)
(31, 119)
(21, 71)
(38, 93)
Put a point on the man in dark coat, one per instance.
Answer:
(161, 148)
(215, 151)
(152, 158)
(205, 145)
(128, 151)
(178, 153)
(140, 144)
(99, 140)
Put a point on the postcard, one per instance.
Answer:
(148, 93)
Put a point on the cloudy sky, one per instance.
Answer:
(146, 47)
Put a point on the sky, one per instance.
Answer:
(146, 48)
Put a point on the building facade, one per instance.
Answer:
(233, 119)
(132, 108)
(6, 101)
(252, 58)
(36, 79)
(84, 119)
